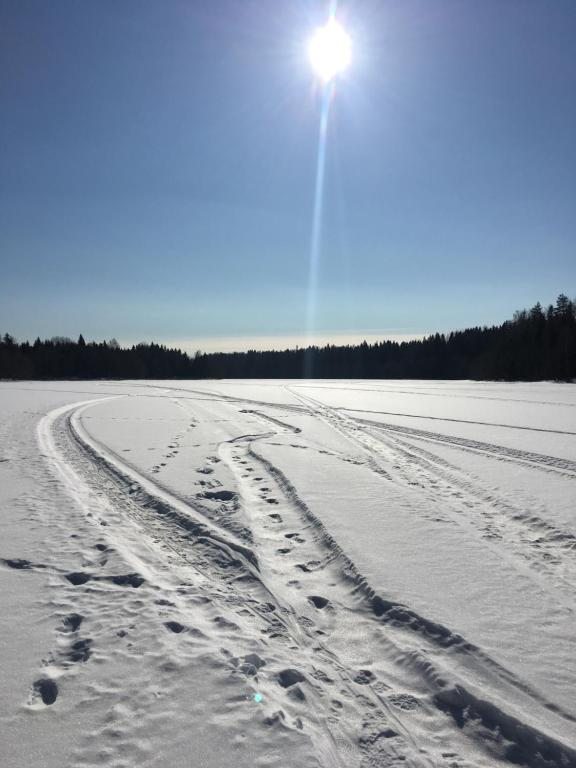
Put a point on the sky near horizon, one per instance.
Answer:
(158, 162)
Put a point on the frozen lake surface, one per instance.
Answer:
(288, 573)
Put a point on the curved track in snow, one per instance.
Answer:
(368, 680)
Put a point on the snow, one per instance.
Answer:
(274, 573)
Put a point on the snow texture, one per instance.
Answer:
(288, 573)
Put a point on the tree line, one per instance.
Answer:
(535, 344)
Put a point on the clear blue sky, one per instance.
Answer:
(157, 164)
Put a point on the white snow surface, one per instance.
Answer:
(287, 573)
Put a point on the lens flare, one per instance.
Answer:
(317, 215)
(330, 50)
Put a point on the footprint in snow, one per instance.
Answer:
(289, 677)
(364, 677)
(220, 495)
(224, 623)
(79, 651)
(296, 537)
(72, 622)
(250, 665)
(127, 579)
(308, 567)
(78, 578)
(404, 701)
(18, 564)
(174, 626)
(318, 602)
(47, 690)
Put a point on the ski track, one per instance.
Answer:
(368, 681)
(544, 551)
(463, 421)
(537, 460)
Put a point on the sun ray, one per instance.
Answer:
(329, 51)
(317, 215)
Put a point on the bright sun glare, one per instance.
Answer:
(330, 50)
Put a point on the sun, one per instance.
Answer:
(330, 50)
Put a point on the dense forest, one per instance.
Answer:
(536, 344)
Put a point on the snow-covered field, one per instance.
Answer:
(264, 573)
